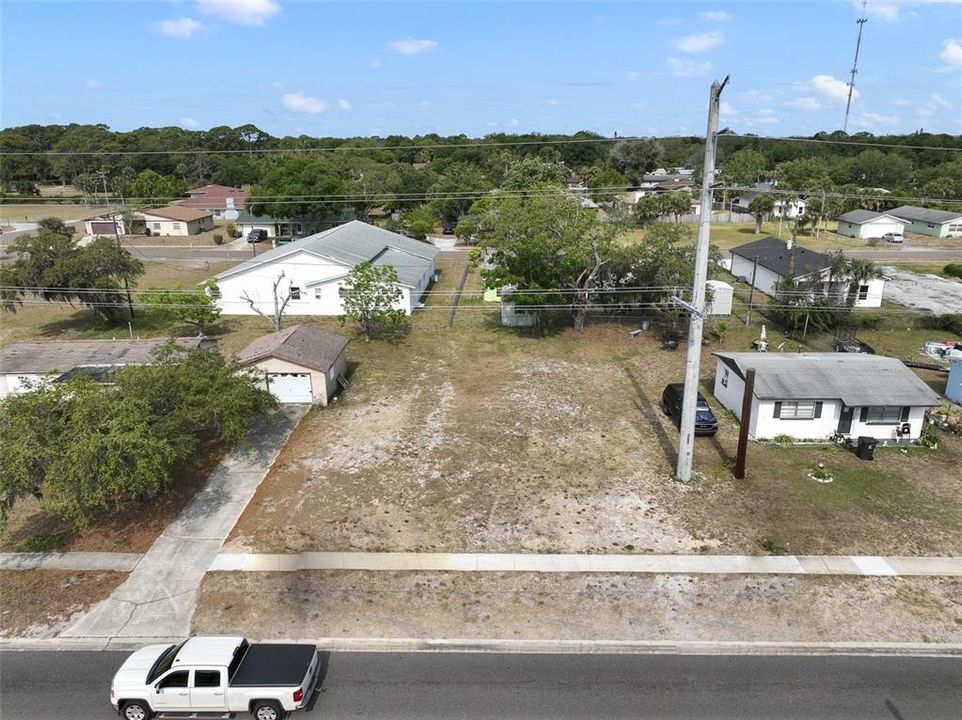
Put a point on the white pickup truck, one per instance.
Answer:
(215, 677)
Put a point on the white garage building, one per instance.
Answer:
(302, 364)
(315, 267)
(868, 224)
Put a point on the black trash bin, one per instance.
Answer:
(866, 447)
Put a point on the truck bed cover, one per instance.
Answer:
(279, 664)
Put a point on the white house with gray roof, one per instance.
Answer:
(315, 267)
(868, 224)
(821, 396)
(925, 221)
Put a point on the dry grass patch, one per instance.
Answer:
(41, 603)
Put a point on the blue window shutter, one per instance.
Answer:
(778, 409)
(863, 415)
(818, 409)
(905, 415)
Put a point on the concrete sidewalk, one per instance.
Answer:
(653, 564)
(122, 562)
(159, 596)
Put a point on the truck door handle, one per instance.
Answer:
(219, 693)
(182, 694)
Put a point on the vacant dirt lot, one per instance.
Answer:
(482, 439)
(40, 603)
(590, 607)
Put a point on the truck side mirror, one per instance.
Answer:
(157, 688)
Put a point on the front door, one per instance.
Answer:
(171, 692)
(207, 691)
(845, 420)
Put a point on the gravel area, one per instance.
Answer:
(922, 291)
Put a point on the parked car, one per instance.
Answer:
(256, 236)
(893, 237)
(448, 227)
(671, 399)
(215, 676)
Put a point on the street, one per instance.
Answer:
(75, 685)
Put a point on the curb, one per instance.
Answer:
(518, 646)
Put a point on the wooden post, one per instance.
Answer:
(746, 421)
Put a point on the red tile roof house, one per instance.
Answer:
(222, 201)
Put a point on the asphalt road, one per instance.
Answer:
(75, 686)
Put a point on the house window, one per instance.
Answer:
(156, 226)
(318, 293)
(800, 410)
(295, 292)
(884, 415)
(724, 377)
(955, 228)
(863, 292)
(931, 225)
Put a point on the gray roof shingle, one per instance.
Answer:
(858, 380)
(910, 212)
(857, 217)
(303, 345)
(774, 254)
(356, 242)
(38, 358)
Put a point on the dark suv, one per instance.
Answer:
(705, 422)
(256, 236)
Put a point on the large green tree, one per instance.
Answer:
(297, 186)
(195, 307)
(151, 187)
(371, 295)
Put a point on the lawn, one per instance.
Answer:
(32, 212)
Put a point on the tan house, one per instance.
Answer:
(302, 364)
(175, 220)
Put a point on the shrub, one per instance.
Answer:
(783, 439)
(230, 229)
(147, 232)
(949, 322)
(218, 239)
(773, 545)
(953, 270)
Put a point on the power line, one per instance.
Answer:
(859, 143)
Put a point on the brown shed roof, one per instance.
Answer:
(173, 212)
(304, 345)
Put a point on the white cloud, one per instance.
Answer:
(714, 16)
(939, 101)
(412, 47)
(552, 102)
(635, 75)
(301, 103)
(830, 88)
(91, 84)
(183, 27)
(188, 122)
(727, 109)
(952, 52)
(683, 67)
(343, 104)
(900, 102)
(756, 94)
(803, 103)
(699, 43)
(870, 119)
(240, 12)
(891, 10)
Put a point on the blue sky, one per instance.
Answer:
(365, 68)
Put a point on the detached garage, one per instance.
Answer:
(302, 364)
(868, 224)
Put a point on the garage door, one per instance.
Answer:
(290, 387)
(103, 228)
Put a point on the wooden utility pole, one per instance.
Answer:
(746, 421)
(696, 323)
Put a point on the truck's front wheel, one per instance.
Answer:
(267, 710)
(135, 710)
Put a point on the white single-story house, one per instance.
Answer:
(287, 227)
(112, 224)
(222, 201)
(175, 221)
(302, 364)
(824, 396)
(315, 267)
(868, 224)
(790, 209)
(953, 388)
(937, 223)
(777, 259)
(25, 364)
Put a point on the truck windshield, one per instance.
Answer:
(164, 662)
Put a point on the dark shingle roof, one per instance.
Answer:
(858, 380)
(303, 345)
(356, 242)
(924, 214)
(774, 254)
(857, 217)
(37, 358)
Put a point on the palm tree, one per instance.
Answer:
(760, 206)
